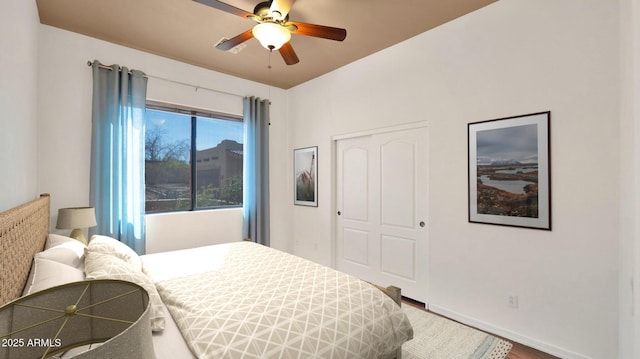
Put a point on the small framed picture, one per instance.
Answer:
(305, 164)
(510, 171)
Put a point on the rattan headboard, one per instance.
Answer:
(23, 232)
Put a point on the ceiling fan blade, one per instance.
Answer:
(289, 56)
(235, 41)
(325, 32)
(281, 7)
(226, 8)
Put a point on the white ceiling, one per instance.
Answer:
(187, 31)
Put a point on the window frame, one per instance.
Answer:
(194, 114)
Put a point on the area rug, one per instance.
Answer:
(435, 337)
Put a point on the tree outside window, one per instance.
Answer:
(173, 180)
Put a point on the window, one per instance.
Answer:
(174, 181)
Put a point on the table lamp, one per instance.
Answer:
(52, 321)
(76, 218)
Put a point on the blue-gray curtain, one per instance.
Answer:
(255, 225)
(117, 153)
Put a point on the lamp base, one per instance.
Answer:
(78, 234)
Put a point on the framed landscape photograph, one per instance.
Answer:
(305, 164)
(510, 172)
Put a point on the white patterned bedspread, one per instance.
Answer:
(251, 301)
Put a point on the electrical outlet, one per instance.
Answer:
(512, 301)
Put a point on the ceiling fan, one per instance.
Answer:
(274, 28)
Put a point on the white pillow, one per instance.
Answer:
(54, 240)
(69, 253)
(48, 273)
(105, 266)
(114, 247)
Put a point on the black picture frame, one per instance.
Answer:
(509, 163)
(305, 183)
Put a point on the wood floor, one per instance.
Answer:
(518, 351)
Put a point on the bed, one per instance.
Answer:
(235, 300)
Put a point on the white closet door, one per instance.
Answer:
(381, 205)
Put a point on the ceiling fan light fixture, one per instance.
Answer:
(271, 35)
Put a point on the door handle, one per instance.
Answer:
(339, 213)
(422, 224)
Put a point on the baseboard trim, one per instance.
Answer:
(505, 333)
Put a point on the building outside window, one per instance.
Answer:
(174, 182)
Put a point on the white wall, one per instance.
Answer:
(513, 57)
(18, 101)
(629, 323)
(65, 90)
(173, 231)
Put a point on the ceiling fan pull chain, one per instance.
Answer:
(269, 75)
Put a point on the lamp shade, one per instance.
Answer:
(76, 217)
(271, 36)
(112, 312)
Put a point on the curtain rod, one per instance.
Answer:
(90, 63)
